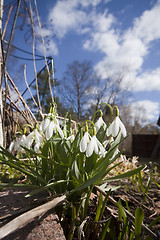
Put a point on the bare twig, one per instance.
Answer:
(20, 97)
(49, 76)
(4, 30)
(18, 109)
(33, 80)
(25, 77)
(11, 35)
(34, 62)
(25, 218)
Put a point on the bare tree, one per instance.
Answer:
(74, 86)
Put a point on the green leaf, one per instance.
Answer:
(125, 175)
(29, 173)
(148, 185)
(17, 185)
(104, 204)
(122, 211)
(75, 171)
(139, 216)
(156, 182)
(105, 229)
(140, 181)
(99, 206)
(40, 189)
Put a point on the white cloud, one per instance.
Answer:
(147, 26)
(149, 110)
(49, 49)
(70, 15)
(126, 49)
(147, 81)
(121, 49)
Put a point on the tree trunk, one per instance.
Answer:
(1, 61)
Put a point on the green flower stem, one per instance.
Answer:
(94, 115)
(111, 112)
(117, 111)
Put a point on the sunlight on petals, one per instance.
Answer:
(49, 130)
(100, 123)
(84, 141)
(115, 126)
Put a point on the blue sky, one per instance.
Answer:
(115, 33)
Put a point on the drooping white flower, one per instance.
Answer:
(49, 125)
(50, 129)
(84, 142)
(59, 130)
(35, 137)
(18, 143)
(45, 123)
(95, 146)
(115, 126)
(100, 123)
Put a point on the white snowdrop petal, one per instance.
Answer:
(109, 131)
(123, 129)
(49, 130)
(115, 128)
(83, 143)
(90, 148)
(100, 123)
(45, 123)
(95, 145)
(60, 131)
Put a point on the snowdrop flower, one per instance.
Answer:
(49, 130)
(95, 146)
(53, 126)
(45, 123)
(58, 129)
(69, 140)
(36, 137)
(16, 144)
(115, 126)
(100, 123)
(84, 142)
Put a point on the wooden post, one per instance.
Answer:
(1, 62)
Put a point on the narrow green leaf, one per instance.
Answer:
(105, 229)
(99, 206)
(148, 185)
(121, 209)
(156, 182)
(17, 185)
(104, 204)
(140, 181)
(125, 175)
(139, 216)
(40, 189)
(75, 171)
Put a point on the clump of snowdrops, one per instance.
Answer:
(62, 158)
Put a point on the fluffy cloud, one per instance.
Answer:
(147, 81)
(126, 49)
(149, 110)
(121, 49)
(70, 15)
